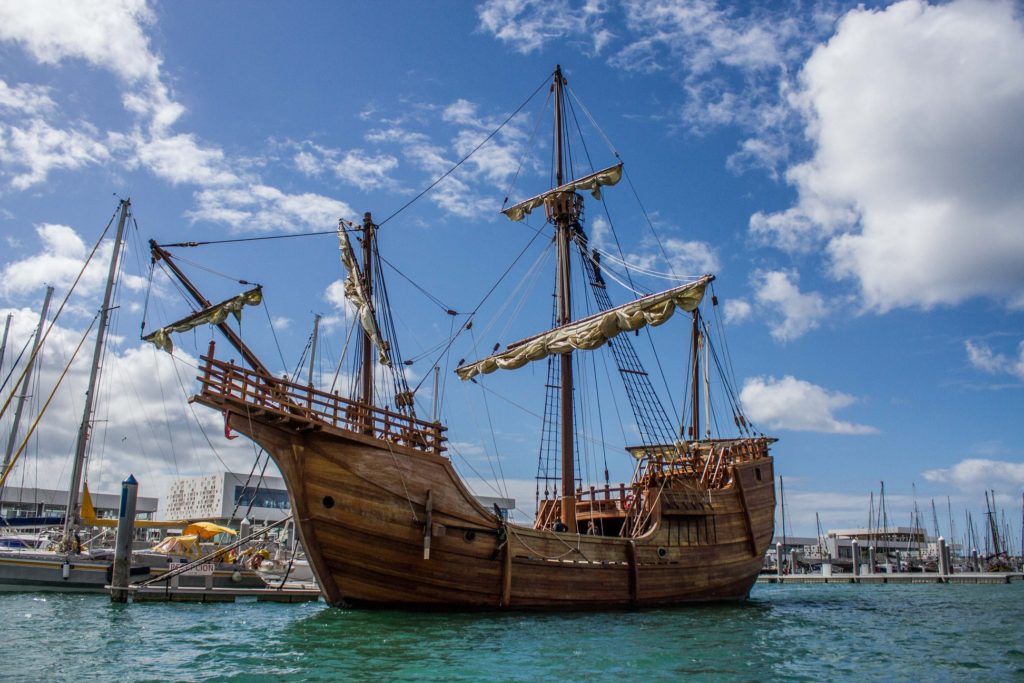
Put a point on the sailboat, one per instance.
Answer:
(69, 565)
(387, 521)
(68, 568)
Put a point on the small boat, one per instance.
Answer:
(385, 519)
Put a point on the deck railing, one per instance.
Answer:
(293, 402)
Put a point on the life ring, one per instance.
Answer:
(628, 503)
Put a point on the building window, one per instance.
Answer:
(262, 498)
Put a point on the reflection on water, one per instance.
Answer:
(898, 632)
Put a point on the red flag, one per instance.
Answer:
(227, 426)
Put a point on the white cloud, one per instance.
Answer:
(355, 167)
(180, 159)
(690, 257)
(914, 112)
(527, 25)
(798, 405)
(981, 356)
(37, 148)
(365, 171)
(26, 98)
(58, 263)
(979, 474)
(112, 36)
(737, 310)
(108, 34)
(264, 208)
(793, 313)
(698, 32)
(143, 422)
(681, 258)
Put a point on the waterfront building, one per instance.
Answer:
(31, 507)
(227, 496)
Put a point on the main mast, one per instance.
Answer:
(71, 515)
(564, 213)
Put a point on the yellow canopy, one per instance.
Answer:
(206, 530)
(89, 517)
(178, 545)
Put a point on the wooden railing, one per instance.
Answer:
(298, 403)
(707, 461)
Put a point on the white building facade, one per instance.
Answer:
(226, 496)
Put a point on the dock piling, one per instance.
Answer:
(943, 558)
(123, 542)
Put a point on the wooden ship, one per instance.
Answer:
(387, 522)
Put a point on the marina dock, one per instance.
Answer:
(290, 593)
(905, 577)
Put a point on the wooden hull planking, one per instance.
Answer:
(367, 508)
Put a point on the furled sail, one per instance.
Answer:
(356, 294)
(593, 331)
(592, 182)
(214, 315)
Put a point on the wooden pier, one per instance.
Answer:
(904, 577)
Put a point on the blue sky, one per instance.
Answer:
(852, 174)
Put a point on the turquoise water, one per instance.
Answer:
(784, 633)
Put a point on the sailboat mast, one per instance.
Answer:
(369, 234)
(27, 382)
(3, 344)
(562, 218)
(71, 515)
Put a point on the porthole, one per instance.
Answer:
(469, 536)
(328, 502)
(662, 553)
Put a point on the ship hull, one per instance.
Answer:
(386, 525)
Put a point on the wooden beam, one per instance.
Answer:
(634, 571)
(506, 574)
(746, 510)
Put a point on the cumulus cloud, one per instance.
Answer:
(981, 356)
(979, 474)
(914, 184)
(59, 261)
(792, 313)
(737, 310)
(798, 405)
(181, 159)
